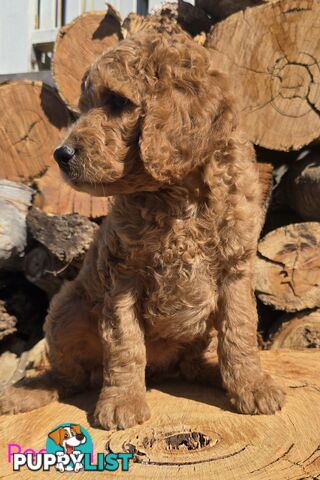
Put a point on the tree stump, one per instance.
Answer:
(297, 331)
(271, 53)
(31, 120)
(301, 187)
(194, 433)
(287, 268)
(78, 44)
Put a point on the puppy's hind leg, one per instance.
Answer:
(28, 394)
(74, 351)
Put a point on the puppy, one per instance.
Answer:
(172, 262)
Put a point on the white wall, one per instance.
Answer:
(16, 24)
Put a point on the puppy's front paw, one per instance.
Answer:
(120, 411)
(263, 397)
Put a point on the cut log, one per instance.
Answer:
(77, 45)
(67, 237)
(15, 200)
(287, 268)
(297, 331)
(31, 120)
(56, 197)
(47, 272)
(62, 242)
(194, 433)
(271, 53)
(301, 187)
(7, 322)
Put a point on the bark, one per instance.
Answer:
(60, 245)
(15, 199)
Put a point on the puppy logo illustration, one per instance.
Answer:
(69, 442)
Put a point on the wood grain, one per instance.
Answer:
(287, 268)
(30, 124)
(271, 53)
(231, 446)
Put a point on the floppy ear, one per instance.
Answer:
(187, 118)
(76, 428)
(56, 435)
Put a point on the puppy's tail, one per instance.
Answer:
(29, 393)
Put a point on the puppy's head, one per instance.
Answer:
(153, 110)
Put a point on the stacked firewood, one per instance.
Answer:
(270, 52)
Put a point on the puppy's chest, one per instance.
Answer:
(172, 245)
(174, 269)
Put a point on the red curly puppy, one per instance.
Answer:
(173, 259)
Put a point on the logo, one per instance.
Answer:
(69, 448)
(69, 442)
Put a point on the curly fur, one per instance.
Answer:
(170, 269)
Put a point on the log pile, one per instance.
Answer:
(270, 52)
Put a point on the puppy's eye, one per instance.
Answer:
(66, 435)
(117, 102)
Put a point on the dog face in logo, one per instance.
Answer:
(68, 437)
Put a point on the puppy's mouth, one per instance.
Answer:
(69, 449)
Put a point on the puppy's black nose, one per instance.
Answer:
(79, 436)
(63, 155)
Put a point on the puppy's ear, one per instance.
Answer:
(55, 435)
(76, 428)
(188, 116)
